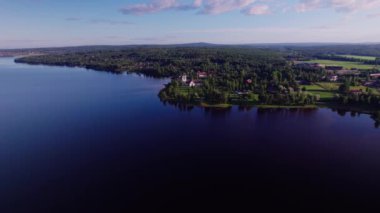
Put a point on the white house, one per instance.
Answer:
(184, 78)
(192, 84)
(375, 75)
(333, 78)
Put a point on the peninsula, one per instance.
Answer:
(261, 75)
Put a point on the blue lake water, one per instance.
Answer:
(76, 140)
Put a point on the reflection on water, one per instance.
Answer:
(246, 108)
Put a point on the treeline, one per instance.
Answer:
(360, 99)
(333, 49)
(160, 62)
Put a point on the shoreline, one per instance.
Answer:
(361, 109)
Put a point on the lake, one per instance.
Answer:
(76, 140)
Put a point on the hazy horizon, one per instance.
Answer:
(49, 23)
(196, 43)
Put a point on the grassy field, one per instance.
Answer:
(329, 85)
(344, 64)
(327, 90)
(325, 94)
(369, 58)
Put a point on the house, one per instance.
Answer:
(348, 72)
(375, 75)
(242, 92)
(372, 83)
(316, 65)
(192, 84)
(201, 74)
(184, 78)
(356, 91)
(332, 78)
(369, 83)
(249, 81)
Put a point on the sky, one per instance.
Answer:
(53, 23)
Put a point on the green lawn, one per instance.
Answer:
(317, 89)
(344, 64)
(369, 58)
(327, 90)
(312, 87)
(329, 85)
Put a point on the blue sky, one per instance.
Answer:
(45, 23)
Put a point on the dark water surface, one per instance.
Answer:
(74, 140)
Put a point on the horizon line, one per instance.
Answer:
(193, 43)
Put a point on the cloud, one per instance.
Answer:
(110, 22)
(152, 7)
(307, 5)
(207, 7)
(222, 6)
(338, 5)
(249, 7)
(73, 19)
(374, 15)
(258, 10)
(99, 21)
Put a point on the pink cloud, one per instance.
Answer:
(338, 5)
(222, 6)
(154, 6)
(258, 10)
(212, 7)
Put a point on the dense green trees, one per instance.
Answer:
(233, 74)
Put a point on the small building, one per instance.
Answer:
(356, 91)
(201, 74)
(245, 92)
(332, 78)
(369, 83)
(372, 83)
(375, 75)
(249, 81)
(184, 78)
(316, 65)
(348, 72)
(192, 84)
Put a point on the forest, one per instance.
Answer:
(229, 75)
